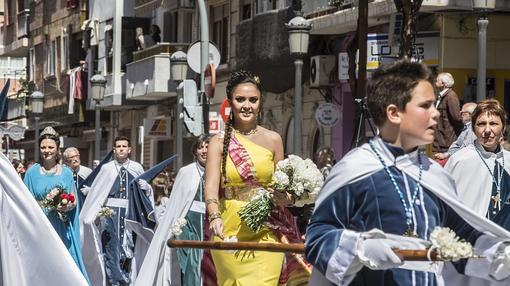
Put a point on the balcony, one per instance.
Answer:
(15, 37)
(148, 76)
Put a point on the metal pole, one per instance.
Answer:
(179, 124)
(97, 146)
(204, 60)
(298, 107)
(36, 139)
(483, 22)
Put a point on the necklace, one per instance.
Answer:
(497, 197)
(409, 209)
(121, 172)
(251, 132)
(51, 171)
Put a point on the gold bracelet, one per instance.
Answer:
(214, 216)
(211, 201)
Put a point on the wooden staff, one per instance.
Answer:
(297, 256)
(405, 254)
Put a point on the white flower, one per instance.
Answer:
(262, 192)
(181, 221)
(176, 230)
(230, 239)
(449, 246)
(281, 179)
(442, 236)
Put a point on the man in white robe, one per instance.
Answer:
(161, 266)
(108, 246)
(31, 252)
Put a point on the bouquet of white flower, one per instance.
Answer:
(299, 177)
(448, 245)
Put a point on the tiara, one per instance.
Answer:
(257, 79)
(49, 131)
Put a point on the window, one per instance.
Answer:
(31, 64)
(10, 13)
(64, 52)
(108, 38)
(178, 26)
(187, 26)
(245, 7)
(50, 58)
(170, 23)
(58, 54)
(220, 31)
(267, 5)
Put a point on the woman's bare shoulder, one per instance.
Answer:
(271, 135)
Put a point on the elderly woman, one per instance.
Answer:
(47, 176)
(481, 170)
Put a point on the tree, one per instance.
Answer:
(409, 10)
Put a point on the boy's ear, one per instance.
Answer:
(393, 114)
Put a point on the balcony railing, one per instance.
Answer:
(160, 48)
(317, 8)
(148, 76)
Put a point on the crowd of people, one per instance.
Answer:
(110, 225)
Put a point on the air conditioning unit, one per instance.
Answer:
(320, 69)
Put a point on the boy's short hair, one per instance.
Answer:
(121, 138)
(197, 143)
(393, 84)
(491, 107)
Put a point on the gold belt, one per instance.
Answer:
(241, 193)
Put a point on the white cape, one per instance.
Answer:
(31, 252)
(474, 187)
(91, 241)
(160, 267)
(362, 162)
(473, 180)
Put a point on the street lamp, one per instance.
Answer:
(299, 32)
(482, 7)
(37, 100)
(97, 87)
(179, 69)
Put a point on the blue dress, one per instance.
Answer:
(39, 185)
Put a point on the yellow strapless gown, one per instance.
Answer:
(247, 268)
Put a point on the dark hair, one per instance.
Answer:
(203, 138)
(236, 78)
(57, 142)
(121, 138)
(394, 84)
(15, 163)
(491, 107)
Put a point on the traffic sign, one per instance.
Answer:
(15, 132)
(225, 110)
(210, 80)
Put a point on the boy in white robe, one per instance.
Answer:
(386, 195)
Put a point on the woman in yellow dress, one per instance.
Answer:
(239, 162)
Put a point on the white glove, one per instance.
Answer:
(500, 266)
(377, 253)
(144, 185)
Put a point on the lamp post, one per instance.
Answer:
(482, 7)
(299, 32)
(179, 69)
(37, 99)
(97, 87)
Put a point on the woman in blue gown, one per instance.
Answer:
(44, 176)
